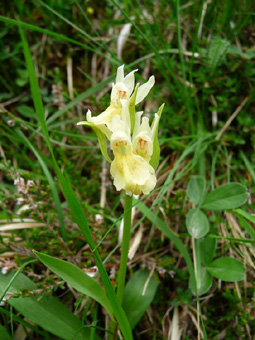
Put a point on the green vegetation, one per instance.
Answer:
(192, 273)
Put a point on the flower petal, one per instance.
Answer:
(137, 123)
(104, 117)
(145, 126)
(144, 90)
(119, 127)
(150, 183)
(129, 81)
(120, 74)
(100, 122)
(125, 115)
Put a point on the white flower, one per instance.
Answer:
(121, 90)
(123, 87)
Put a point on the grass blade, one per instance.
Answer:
(51, 183)
(167, 231)
(248, 165)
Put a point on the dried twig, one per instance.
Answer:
(231, 118)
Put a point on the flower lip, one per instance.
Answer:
(132, 173)
(123, 147)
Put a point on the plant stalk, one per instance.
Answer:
(124, 247)
(197, 269)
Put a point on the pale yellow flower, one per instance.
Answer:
(121, 90)
(133, 141)
(130, 172)
(143, 136)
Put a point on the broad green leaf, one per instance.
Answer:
(44, 310)
(138, 295)
(156, 149)
(195, 189)
(227, 196)
(76, 278)
(4, 335)
(227, 269)
(206, 283)
(197, 223)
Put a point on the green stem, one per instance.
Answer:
(124, 247)
(198, 263)
(198, 282)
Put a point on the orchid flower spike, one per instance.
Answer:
(133, 140)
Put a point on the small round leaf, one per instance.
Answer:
(197, 223)
(196, 188)
(207, 249)
(227, 269)
(227, 196)
(206, 283)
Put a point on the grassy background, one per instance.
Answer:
(202, 55)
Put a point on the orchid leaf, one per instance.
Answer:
(76, 278)
(139, 294)
(43, 309)
(4, 335)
